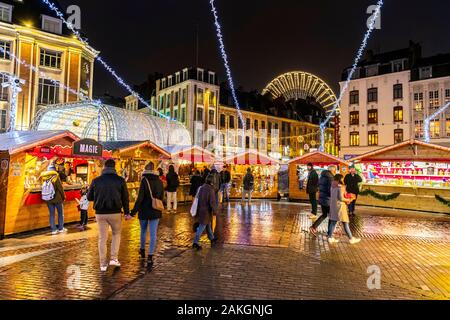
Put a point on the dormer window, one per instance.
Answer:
(163, 84)
(170, 81)
(398, 65)
(185, 74)
(200, 75)
(5, 12)
(425, 73)
(177, 77)
(211, 77)
(372, 71)
(51, 24)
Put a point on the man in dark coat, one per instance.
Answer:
(205, 173)
(151, 187)
(173, 182)
(325, 181)
(312, 187)
(110, 194)
(352, 181)
(225, 178)
(207, 207)
(196, 182)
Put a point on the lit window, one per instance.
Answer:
(200, 96)
(398, 91)
(418, 129)
(418, 101)
(50, 59)
(434, 99)
(5, 12)
(447, 96)
(447, 126)
(4, 92)
(435, 129)
(3, 120)
(52, 25)
(372, 95)
(373, 138)
(5, 50)
(212, 99)
(354, 118)
(48, 92)
(398, 114)
(372, 116)
(398, 135)
(354, 139)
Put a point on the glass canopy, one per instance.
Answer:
(116, 124)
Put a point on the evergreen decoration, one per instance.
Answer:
(442, 200)
(376, 195)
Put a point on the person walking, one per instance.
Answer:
(206, 208)
(312, 186)
(110, 195)
(325, 181)
(196, 182)
(84, 207)
(352, 181)
(225, 178)
(248, 185)
(339, 210)
(53, 195)
(173, 183)
(151, 188)
(216, 182)
(205, 173)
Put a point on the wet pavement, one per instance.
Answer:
(265, 252)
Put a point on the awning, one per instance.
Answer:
(251, 158)
(193, 154)
(318, 158)
(411, 150)
(122, 147)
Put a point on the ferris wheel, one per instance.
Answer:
(297, 85)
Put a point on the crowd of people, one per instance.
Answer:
(337, 198)
(109, 194)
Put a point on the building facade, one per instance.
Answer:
(191, 97)
(388, 99)
(30, 32)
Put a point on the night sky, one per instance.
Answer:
(264, 38)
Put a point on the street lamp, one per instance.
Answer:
(14, 84)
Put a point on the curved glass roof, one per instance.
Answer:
(116, 124)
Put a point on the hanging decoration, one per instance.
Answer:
(442, 200)
(379, 196)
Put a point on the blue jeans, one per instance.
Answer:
(145, 224)
(351, 206)
(51, 208)
(332, 226)
(200, 230)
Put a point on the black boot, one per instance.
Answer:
(149, 261)
(196, 246)
(142, 253)
(214, 241)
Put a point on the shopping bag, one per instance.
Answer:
(195, 204)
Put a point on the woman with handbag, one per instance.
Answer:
(149, 205)
(206, 207)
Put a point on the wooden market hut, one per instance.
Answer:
(411, 197)
(319, 159)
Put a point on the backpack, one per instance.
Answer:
(48, 190)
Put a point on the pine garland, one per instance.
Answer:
(442, 200)
(379, 196)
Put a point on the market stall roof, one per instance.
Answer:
(251, 157)
(190, 153)
(116, 124)
(124, 146)
(411, 150)
(18, 141)
(319, 158)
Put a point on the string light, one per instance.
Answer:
(426, 122)
(122, 82)
(14, 84)
(361, 49)
(225, 61)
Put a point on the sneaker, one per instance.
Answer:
(62, 231)
(114, 263)
(55, 232)
(313, 231)
(332, 240)
(196, 246)
(103, 268)
(355, 240)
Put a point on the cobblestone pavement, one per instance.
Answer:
(265, 253)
